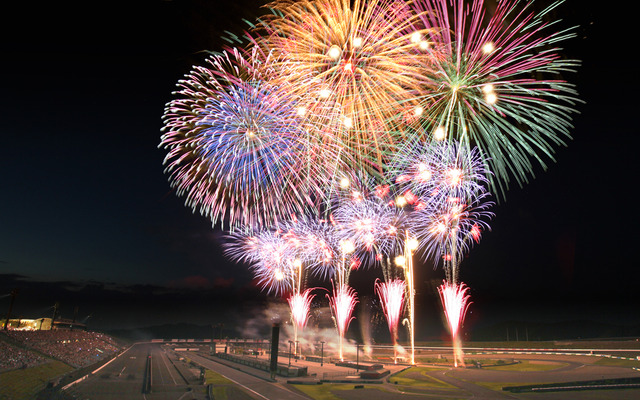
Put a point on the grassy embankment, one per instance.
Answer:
(25, 383)
(411, 379)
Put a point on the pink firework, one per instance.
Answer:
(342, 304)
(455, 301)
(300, 304)
(271, 257)
(392, 298)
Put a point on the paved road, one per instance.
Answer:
(257, 388)
(124, 378)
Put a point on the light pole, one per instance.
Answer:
(357, 356)
(290, 342)
(14, 293)
(321, 354)
(221, 326)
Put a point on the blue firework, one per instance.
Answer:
(238, 149)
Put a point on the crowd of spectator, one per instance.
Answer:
(12, 357)
(74, 347)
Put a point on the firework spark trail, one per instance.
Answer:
(455, 301)
(391, 295)
(498, 83)
(342, 304)
(237, 148)
(367, 58)
(406, 262)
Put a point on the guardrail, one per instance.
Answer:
(146, 378)
(602, 384)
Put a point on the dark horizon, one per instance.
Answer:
(134, 310)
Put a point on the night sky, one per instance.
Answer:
(88, 219)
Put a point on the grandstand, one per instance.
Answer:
(12, 357)
(31, 360)
(73, 347)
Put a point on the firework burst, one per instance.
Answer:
(452, 230)
(498, 83)
(446, 183)
(429, 174)
(238, 150)
(368, 59)
(372, 225)
(270, 256)
(316, 244)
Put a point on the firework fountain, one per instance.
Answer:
(342, 303)
(455, 301)
(344, 297)
(300, 304)
(391, 295)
